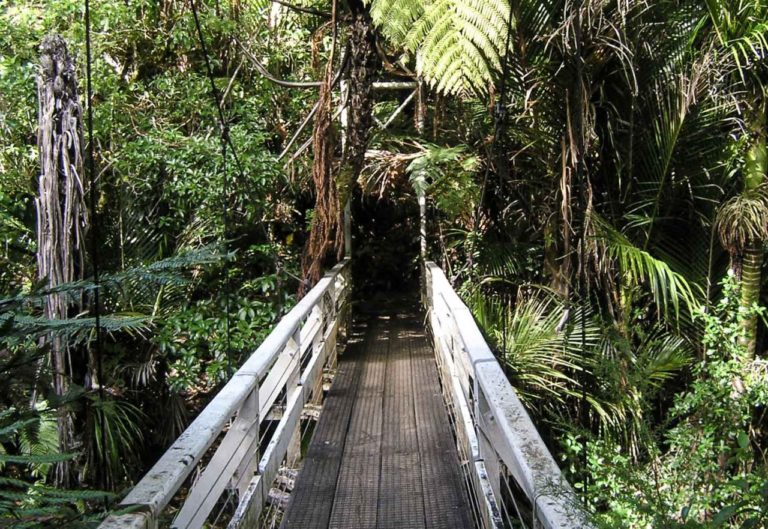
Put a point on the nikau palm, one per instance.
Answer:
(741, 27)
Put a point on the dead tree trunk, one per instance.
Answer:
(61, 211)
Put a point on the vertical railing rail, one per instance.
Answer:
(495, 436)
(286, 369)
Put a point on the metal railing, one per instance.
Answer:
(273, 386)
(512, 478)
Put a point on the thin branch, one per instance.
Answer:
(293, 84)
(302, 9)
(398, 110)
(308, 143)
(298, 131)
(231, 82)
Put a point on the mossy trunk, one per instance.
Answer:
(752, 255)
(363, 66)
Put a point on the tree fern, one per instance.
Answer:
(458, 42)
(25, 500)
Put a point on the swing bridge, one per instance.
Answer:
(411, 424)
(387, 414)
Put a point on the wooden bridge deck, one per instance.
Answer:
(383, 454)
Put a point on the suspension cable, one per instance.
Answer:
(95, 226)
(225, 141)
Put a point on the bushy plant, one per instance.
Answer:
(703, 467)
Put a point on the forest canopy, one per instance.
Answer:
(174, 176)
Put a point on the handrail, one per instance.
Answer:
(288, 363)
(493, 427)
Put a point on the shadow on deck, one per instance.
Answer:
(383, 454)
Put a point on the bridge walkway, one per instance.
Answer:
(383, 454)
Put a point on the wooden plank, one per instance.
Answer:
(276, 449)
(287, 362)
(379, 479)
(260, 361)
(314, 370)
(159, 485)
(312, 498)
(355, 504)
(401, 494)
(446, 506)
(249, 508)
(128, 521)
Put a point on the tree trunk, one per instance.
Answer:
(327, 234)
(61, 211)
(364, 63)
(752, 256)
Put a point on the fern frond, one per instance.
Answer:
(459, 42)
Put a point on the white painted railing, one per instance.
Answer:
(496, 437)
(285, 370)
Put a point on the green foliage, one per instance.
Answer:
(116, 438)
(458, 44)
(27, 449)
(706, 469)
(446, 174)
(668, 95)
(637, 267)
(541, 358)
(200, 353)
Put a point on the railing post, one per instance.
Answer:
(246, 470)
(423, 225)
(487, 452)
(348, 228)
(423, 244)
(294, 446)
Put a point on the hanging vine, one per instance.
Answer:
(325, 235)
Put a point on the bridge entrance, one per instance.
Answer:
(383, 453)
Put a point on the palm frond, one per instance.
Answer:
(638, 267)
(540, 357)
